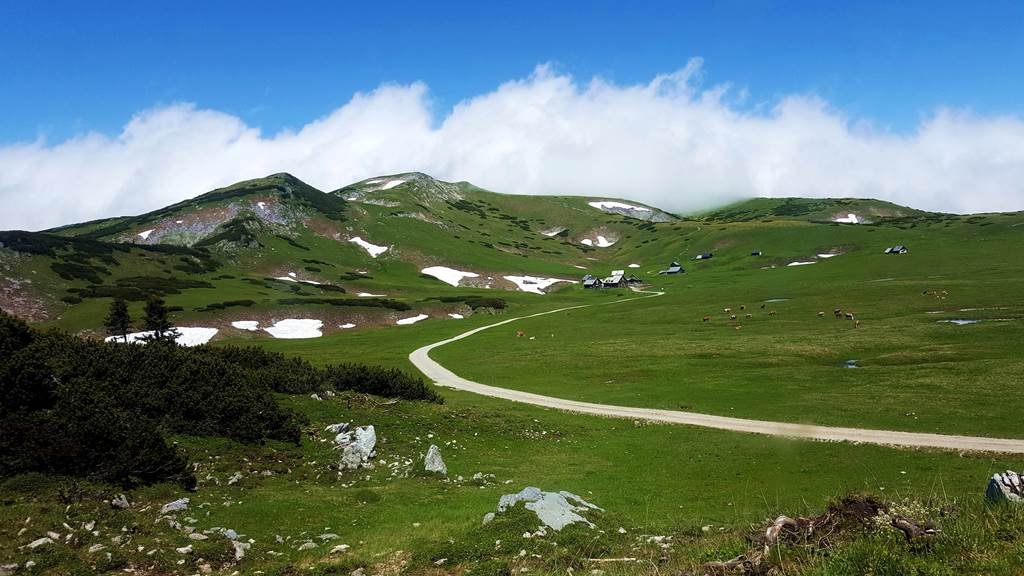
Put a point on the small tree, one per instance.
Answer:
(157, 321)
(118, 321)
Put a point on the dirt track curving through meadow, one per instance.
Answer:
(445, 377)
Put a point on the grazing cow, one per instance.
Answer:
(762, 306)
(732, 317)
(750, 315)
(728, 310)
(705, 319)
(856, 323)
(520, 333)
(739, 326)
(821, 314)
(838, 312)
(771, 312)
(743, 306)
(849, 315)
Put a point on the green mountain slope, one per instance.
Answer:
(276, 248)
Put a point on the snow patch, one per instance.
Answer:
(368, 295)
(391, 184)
(373, 249)
(262, 205)
(250, 325)
(448, 275)
(800, 263)
(347, 326)
(960, 322)
(413, 320)
(187, 336)
(633, 266)
(587, 242)
(609, 205)
(292, 328)
(848, 219)
(533, 284)
(603, 242)
(827, 255)
(456, 316)
(145, 234)
(552, 232)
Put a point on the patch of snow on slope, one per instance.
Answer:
(374, 181)
(603, 242)
(634, 266)
(262, 205)
(607, 204)
(368, 295)
(292, 328)
(533, 284)
(578, 266)
(250, 325)
(373, 249)
(347, 326)
(413, 320)
(827, 255)
(145, 234)
(587, 242)
(552, 232)
(456, 316)
(848, 219)
(391, 184)
(800, 263)
(448, 275)
(188, 336)
(286, 278)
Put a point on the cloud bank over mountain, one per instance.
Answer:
(670, 142)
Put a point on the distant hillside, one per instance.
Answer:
(844, 210)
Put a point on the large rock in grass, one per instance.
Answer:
(554, 509)
(1006, 487)
(359, 450)
(432, 462)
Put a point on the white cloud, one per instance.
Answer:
(669, 143)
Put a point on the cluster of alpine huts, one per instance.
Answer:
(617, 279)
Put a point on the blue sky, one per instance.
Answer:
(110, 108)
(71, 67)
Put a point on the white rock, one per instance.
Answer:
(184, 549)
(176, 506)
(307, 546)
(339, 548)
(336, 428)
(360, 449)
(120, 501)
(96, 548)
(234, 478)
(433, 462)
(240, 548)
(40, 542)
(197, 536)
(554, 509)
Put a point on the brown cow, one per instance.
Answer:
(705, 319)
(771, 312)
(520, 333)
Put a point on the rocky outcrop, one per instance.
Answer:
(357, 448)
(554, 509)
(1006, 487)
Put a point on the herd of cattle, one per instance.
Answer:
(838, 313)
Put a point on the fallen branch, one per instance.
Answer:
(912, 530)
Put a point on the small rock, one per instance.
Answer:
(96, 548)
(37, 543)
(176, 506)
(328, 536)
(339, 548)
(197, 536)
(234, 478)
(432, 462)
(240, 548)
(488, 518)
(231, 534)
(8, 569)
(316, 397)
(89, 525)
(307, 546)
(357, 572)
(120, 502)
(184, 549)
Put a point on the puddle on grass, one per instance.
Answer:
(959, 321)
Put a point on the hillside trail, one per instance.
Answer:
(445, 377)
